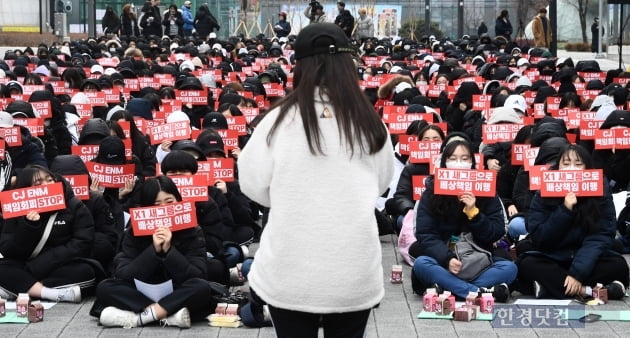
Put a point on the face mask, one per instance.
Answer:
(571, 167)
(458, 165)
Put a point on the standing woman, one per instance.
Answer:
(571, 241)
(54, 271)
(129, 22)
(205, 22)
(110, 22)
(151, 21)
(503, 26)
(177, 256)
(323, 151)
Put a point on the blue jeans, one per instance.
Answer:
(428, 272)
(516, 228)
(232, 256)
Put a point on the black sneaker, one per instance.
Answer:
(616, 290)
(500, 292)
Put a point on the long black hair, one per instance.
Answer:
(333, 76)
(31, 173)
(587, 208)
(152, 186)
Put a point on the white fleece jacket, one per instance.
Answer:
(320, 251)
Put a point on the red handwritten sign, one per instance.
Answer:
(457, 181)
(177, 216)
(557, 183)
(192, 187)
(41, 198)
(111, 175)
(80, 186)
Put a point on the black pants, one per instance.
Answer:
(193, 294)
(290, 324)
(551, 274)
(16, 278)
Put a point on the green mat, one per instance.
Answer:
(11, 317)
(433, 315)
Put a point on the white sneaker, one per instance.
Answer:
(180, 319)
(115, 317)
(70, 294)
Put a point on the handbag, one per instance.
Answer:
(475, 260)
(407, 236)
(45, 235)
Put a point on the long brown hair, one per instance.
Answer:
(335, 77)
(126, 10)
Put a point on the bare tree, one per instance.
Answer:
(581, 6)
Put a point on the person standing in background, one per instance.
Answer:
(345, 20)
(282, 27)
(129, 22)
(598, 31)
(205, 22)
(503, 26)
(541, 27)
(110, 22)
(173, 22)
(365, 26)
(482, 29)
(188, 19)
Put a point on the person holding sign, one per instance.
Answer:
(319, 160)
(176, 258)
(571, 241)
(440, 217)
(44, 246)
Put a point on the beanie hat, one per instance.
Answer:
(140, 107)
(323, 38)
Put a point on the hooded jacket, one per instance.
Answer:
(188, 19)
(71, 237)
(29, 152)
(617, 163)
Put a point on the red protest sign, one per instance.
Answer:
(618, 138)
(86, 152)
(423, 151)
(40, 198)
(434, 90)
(404, 142)
(111, 175)
(11, 136)
(518, 153)
(398, 123)
(194, 97)
(535, 176)
(588, 128)
(80, 185)
(501, 132)
(457, 181)
(557, 183)
(42, 108)
(111, 95)
(230, 138)
(177, 216)
(222, 169)
(96, 98)
(3, 149)
(193, 187)
(419, 186)
(34, 125)
(530, 157)
(169, 131)
(84, 110)
(237, 123)
(481, 102)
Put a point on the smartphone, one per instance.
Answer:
(590, 318)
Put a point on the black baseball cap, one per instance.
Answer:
(321, 38)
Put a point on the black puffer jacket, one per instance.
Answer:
(29, 152)
(71, 237)
(402, 201)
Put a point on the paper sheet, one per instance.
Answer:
(550, 302)
(155, 292)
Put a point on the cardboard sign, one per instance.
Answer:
(454, 182)
(40, 198)
(419, 186)
(11, 136)
(423, 151)
(618, 138)
(169, 131)
(194, 97)
(192, 187)
(535, 176)
(111, 175)
(80, 185)
(518, 153)
(501, 132)
(558, 183)
(177, 216)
